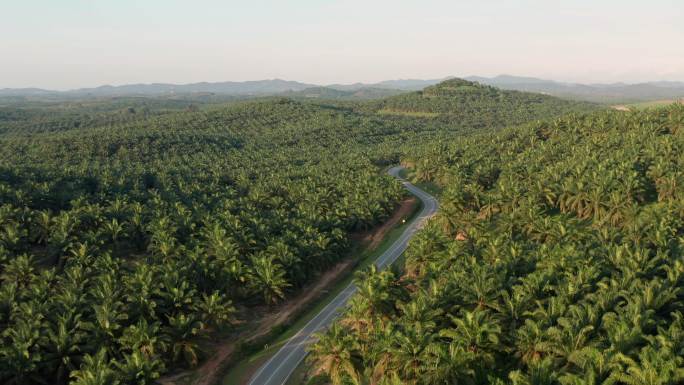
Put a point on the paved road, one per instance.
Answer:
(281, 365)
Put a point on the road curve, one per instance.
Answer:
(281, 365)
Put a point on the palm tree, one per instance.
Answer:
(358, 319)
(114, 231)
(423, 249)
(598, 365)
(219, 244)
(43, 222)
(379, 289)
(268, 278)
(449, 364)
(652, 368)
(419, 314)
(475, 332)
(143, 337)
(106, 325)
(141, 288)
(479, 285)
(95, 370)
(178, 295)
(531, 342)
(182, 334)
(408, 351)
(334, 353)
(138, 368)
(19, 271)
(215, 310)
(514, 305)
(21, 354)
(541, 372)
(11, 236)
(61, 235)
(65, 343)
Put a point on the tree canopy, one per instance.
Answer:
(131, 228)
(556, 258)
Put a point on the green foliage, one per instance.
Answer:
(153, 230)
(556, 259)
(131, 229)
(461, 103)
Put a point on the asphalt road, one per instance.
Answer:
(281, 365)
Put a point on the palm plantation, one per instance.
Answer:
(556, 260)
(129, 240)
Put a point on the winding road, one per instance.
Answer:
(280, 366)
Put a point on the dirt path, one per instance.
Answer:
(376, 237)
(208, 373)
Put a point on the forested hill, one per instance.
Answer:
(476, 105)
(556, 258)
(124, 243)
(132, 228)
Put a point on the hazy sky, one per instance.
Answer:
(80, 43)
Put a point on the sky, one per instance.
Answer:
(65, 44)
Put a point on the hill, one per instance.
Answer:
(397, 84)
(476, 105)
(248, 88)
(555, 259)
(174, 225)
(363, 93)
(258, 87)
(133, 228)
(600, 93)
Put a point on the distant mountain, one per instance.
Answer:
(247, 88)
(398, 84)
(258, 87)
(409, 84)
(603, 93)
(507, 79)
(362, 93)
(25, 92)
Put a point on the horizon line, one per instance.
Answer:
(114, 85)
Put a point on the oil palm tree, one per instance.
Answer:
(138, 368)
(215, 310)
(95, 370)
(475, 332)
(65, 343)
(334, 353)
(182, 333)
(268, 278)
(144, 337)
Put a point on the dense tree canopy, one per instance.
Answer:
(472, 105)
(130, 228)
(556, 258)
